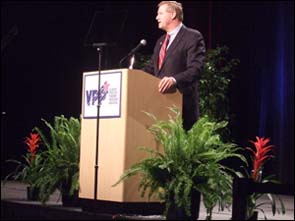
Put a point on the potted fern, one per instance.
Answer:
(61, 159)
(189, 162)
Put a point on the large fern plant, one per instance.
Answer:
(189, 161)
(61, 159)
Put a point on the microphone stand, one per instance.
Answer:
(132, 60)
(99, 50)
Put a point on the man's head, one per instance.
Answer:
(170, 15)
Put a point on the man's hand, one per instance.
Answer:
(166, 83)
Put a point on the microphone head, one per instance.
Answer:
(143, 42)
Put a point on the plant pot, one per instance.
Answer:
(32, 193)
(70, 200)
(254, 216)
(177, 213)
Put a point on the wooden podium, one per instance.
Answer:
(121, 131)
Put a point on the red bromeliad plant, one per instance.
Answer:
(261, 154)
(33, 143)
(28, 171)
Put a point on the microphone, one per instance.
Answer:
(134, 50)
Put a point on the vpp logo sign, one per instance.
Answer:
(93, 95)
(107, 95)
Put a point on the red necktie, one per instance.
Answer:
(163, 51)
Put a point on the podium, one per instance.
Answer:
(125, 94)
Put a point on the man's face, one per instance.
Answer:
(164, 17)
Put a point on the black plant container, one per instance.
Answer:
(176, 213)
(70, 200)
(32, 193)
(254, 216)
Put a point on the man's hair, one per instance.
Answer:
(173, 6)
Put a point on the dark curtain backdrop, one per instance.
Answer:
(43, 58)
(276, 95)
(261, 35)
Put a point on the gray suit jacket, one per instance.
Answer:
(184, 61)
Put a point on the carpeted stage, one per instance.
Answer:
(15, 206)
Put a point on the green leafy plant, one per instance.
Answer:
(260, 155)
(28, 171)
(214, 84)
(61, 159)
(189, 161)
(141, 60)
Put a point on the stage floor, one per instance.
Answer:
(13, 197)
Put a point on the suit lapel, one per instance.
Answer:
(172, 47)
(174, 44)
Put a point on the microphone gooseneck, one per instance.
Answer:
(134, 50)
(142, 43)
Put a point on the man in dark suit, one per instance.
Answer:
(178, 59)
